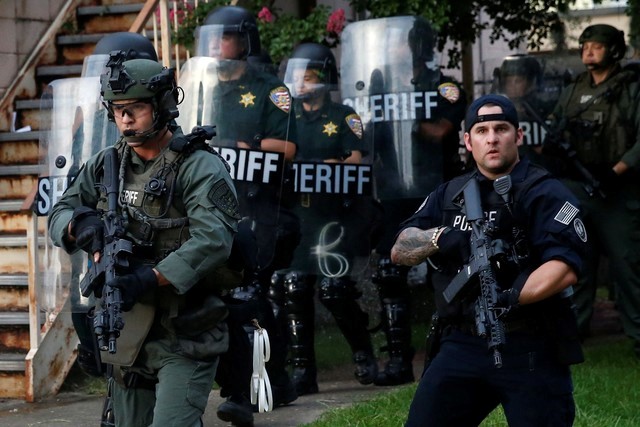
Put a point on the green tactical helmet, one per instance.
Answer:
(608, 35)
(141, 79)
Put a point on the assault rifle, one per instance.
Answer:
(484, 249)
(108, 321)
(557, 141)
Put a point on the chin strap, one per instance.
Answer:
(261, 393)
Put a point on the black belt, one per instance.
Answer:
(135, 380)
(525, 325)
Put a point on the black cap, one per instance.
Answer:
(508, 114)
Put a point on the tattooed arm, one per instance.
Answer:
(413, 245)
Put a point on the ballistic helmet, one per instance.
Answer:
(607, 35)
(135, 45)
(422, 41)
(236, 20)
(141, 79)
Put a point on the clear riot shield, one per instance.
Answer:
(333, 193)
(238, 100)
(534, 84)
(76, 128)
(390, 77)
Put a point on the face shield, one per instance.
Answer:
(304, 79)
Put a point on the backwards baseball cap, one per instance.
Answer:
(508, 114)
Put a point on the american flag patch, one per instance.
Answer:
(566, 213)
(355, 124)
(281, 98)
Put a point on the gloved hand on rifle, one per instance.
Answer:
(134, 285)
(88, 229)
(455, 245)
(510, 298)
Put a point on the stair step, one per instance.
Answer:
(11, 205)
(21, 280)
(19, 170)
(13, 241)
(32, 104)
(14, 318)
(12, 362)
(113, 9)
(33, 135)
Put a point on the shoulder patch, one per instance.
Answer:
(581, 230)
(449, 91)
(224, 199)
(566, 213)
(281, 98)
(355, 124)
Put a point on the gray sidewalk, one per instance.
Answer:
(337, 389)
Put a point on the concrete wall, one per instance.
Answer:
(22, 24)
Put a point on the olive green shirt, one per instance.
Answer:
(212, 223)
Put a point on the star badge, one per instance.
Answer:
(330, 128)
(246, 99)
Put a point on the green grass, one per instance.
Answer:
(607, 393)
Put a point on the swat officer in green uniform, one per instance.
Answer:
(330, 133)
(598, 116)
(180, 212)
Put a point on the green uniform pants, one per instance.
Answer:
(180, 395)
(613, 227)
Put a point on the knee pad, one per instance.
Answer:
(337, 289)
(391, 279)
(299, 288)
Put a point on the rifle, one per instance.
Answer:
(589, 183)
(108, 321)
(484, 249)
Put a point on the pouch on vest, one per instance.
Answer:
(137, 323)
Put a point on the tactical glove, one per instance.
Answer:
(508, 299)
(88, 229)
(455, 245)
(134, 285)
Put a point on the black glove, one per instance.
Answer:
(134, 285)
(608, 179)
(455, 244)
(508, 299)
(88, 229)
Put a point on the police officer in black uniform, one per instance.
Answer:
(537, 220)
(335, 227)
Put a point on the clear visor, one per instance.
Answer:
(94, 65)
(304, 78)
(217, 41)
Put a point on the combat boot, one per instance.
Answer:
(366, 367)
(399, 370)
(237, 410)
(305, 380)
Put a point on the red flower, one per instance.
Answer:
(265, 15)
(335, 24)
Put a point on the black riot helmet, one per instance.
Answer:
(422, 41)
(134, 46)
(520, 65)
(230, 20)
(607, 35)
(144, 80)
(316, 58)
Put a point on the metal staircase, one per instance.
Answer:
(37, 345)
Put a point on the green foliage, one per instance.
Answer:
(606, 393)
(278, 36)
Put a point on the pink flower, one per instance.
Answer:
(335, 24)
(265, 15)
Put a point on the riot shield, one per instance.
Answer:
(389, 75)
(534, 84)
(74, 128)
(333, 189)
(246, 107)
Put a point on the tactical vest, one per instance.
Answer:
(508, 221)
(600, 118)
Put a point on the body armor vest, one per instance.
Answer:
(508, 226)
(600, 124)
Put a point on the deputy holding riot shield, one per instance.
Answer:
(334, 204)
(411, 115)
(255, 133)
